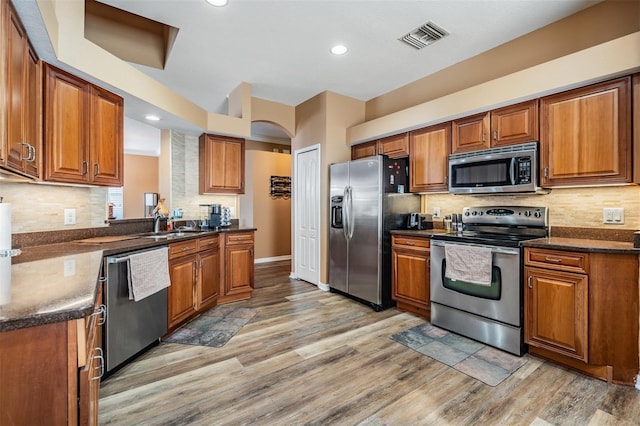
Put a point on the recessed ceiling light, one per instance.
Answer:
(218, 3)
(152, 117)
(339, 49)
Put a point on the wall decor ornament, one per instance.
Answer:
(280, 187)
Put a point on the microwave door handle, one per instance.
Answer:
(512, 171)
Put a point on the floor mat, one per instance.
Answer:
(475, 359)
(214, 327)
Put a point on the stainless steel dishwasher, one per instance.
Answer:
(130, 326)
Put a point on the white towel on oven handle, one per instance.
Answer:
(148, 273)
(468, 263)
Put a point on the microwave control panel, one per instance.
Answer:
(524, 170)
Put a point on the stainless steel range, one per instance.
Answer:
(479, 293)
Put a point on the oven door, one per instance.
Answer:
(499, 301)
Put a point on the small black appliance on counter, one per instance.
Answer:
(215, 216)
(419, 221)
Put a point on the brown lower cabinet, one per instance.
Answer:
(579, 311)
(237, 283)
(194, 268)
(59, 365)
(410, 267)
(208, 271)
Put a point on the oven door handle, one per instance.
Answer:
(494, 249)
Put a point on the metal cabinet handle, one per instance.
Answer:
(529, 282)
(22, 157)
(100, 367)
(495, 135)
(96, 169)
(102, 311)
(546, 172)
(85, 167)
(553, 259)
(484, 137)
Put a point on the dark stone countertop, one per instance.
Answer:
(426, 233)
(583, 245)
(59, 282)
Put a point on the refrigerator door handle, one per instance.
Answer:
(352, 222)
(345, 213)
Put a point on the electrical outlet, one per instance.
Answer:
(69, 216)
(613, 216)
(436, 212)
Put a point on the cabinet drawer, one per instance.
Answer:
(410, 242)
(557, 259)
(208, 243)
(183, 249)
(239, 238)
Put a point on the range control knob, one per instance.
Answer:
(466, 213)
(474, 213)
(537, 214)
(527, 213)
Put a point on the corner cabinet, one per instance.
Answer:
(430, 148)
(83, 131)
(237, 283)
(194, 269)
(221, 165)
(581, 310)
(586, 135)
(20, 79)
(410, 266)
(510, 125)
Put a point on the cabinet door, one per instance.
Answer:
(238, 268)
(586, 135)
(430, 149)
(106, 142)
(411, 280)
(22, 96)
(363, 150)
(209, 278)
(182, 298)
(470, 133)
(396, 146)
(221, 165)
(556, 312)
(66, 132)
(514, 124)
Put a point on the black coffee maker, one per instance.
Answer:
(215, 216)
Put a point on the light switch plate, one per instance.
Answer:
(613, 216)
(69, 216)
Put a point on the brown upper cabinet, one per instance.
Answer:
(21, 146)
(221, 165)
(396, 146)
(362, 150)
(428, 162)
(586, 135)
(83, 131)
(509, 125)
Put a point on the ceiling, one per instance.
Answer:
(281, 47)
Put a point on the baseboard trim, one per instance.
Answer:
(638, 382)
(272, 259)
(324, 287)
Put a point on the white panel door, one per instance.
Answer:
(307, 214)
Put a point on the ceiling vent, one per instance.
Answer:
(424, 35)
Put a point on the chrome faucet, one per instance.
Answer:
(156, 222)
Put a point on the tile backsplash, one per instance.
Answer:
(574, 207)
(40, 207)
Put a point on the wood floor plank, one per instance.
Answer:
(318, 358)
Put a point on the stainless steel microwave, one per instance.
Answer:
(506, 169)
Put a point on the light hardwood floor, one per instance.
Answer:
(312, 357)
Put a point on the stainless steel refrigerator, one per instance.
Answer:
(368, 200)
